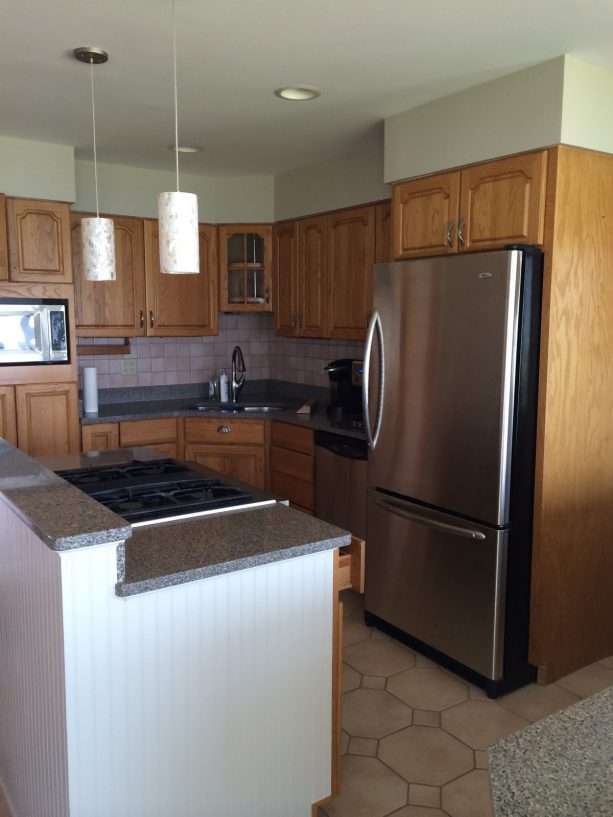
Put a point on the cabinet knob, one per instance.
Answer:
(223, 430)
(141, 321)
(461, 224)
(151, 318)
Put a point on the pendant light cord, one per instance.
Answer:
(174, 61)
(91, 69)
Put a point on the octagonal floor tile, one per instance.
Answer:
(354, 632)
(369, 789)
(378, 657)
(373, 713)
(425, 755)
(536, 702)
(588, 680)
(427, 688)
(419, 811)
(481, 723)
(351, 679)
(468, 796)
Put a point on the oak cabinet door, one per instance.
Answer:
(245, 267)
(246, 463)
(383, 232)
(39, 241)
(350, 259)
(425, 213)
(48, 419)
(181, 305)
(100, 436)
(4, 251)
(112, 308)
(285, 265)
(8, 417)
(312, 277)
(503, 202)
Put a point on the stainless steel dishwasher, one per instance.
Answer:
(340, 481)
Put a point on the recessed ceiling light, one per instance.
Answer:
(298, 93)
(186, 148)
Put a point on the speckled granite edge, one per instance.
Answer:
(561, 766)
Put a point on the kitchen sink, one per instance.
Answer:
(235, 408)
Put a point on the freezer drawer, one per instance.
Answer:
(438, 578)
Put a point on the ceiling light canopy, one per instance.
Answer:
(298, 93)
(186, 148)
(97, 234)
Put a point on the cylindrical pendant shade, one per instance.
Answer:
(179, 245)
(98, 237)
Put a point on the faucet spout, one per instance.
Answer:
(238, 373)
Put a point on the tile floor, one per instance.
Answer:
(415, 736)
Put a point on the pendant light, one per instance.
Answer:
(178, 212)
(97, 234)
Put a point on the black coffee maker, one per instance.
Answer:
(345, 390)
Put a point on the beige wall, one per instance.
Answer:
(518, 112)
(587, 110)
(133, 191)
(36, 170)
(351, 179)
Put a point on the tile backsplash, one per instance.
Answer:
(167, 361)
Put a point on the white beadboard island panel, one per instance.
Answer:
(33, 760)
(206, 698)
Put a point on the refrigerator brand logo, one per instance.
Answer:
(485, 275)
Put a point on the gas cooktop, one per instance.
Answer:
(146, 493)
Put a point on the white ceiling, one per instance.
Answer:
(371, 58)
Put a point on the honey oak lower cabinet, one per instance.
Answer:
(39, 241)
(100, 436)
(292, 465)
(479, 207)
(233, 447)
(159, 434)
(47, 419)
(8, 414)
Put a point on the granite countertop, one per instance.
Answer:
(561, 766)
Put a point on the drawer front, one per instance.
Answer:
(295, 438)
(142, 432)
(292, 463)
(222, 430)
(296, 490)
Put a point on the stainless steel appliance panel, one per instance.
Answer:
(449, 330)
(340, 484)
(439, 579)
(33, 331)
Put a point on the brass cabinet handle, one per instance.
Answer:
(141, 321)
(223, 429)
(151, 318)
(450, 233)
(461, 224)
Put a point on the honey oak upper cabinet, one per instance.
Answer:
(285, 265)
(480, 207)
(245, 267)
(112, 308)
(183, 305)
(383, 232)
(4, 254)
(350, 259)
(312, 276)
(48, 419)
(39, 241)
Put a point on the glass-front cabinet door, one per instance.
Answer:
(245, 267)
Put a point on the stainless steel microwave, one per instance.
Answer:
(33, 331)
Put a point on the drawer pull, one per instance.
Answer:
(223, 430)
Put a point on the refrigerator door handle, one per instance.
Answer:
(373, 325)
(398, 506)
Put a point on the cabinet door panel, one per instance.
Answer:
(100, 436)
(4, 252)
(245, 267)
(243, 462)
(112, 308)
(48, 419)
(39, 241)
(8, 417)
(503, 202)
(312, 276)
(181, 305)
(424, 214)
(351, 255)
(285, 263)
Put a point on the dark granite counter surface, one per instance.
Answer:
(561, 766)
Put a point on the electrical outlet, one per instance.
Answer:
(128, 365)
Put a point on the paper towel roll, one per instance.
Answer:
(90, 390)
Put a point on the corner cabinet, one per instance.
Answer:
(480, 207)
(245, 267)
(38, 241)
(233, 447)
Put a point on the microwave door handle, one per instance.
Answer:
(397, 506)
(374, 325)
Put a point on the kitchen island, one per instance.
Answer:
(183, 669)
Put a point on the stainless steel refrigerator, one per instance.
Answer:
(450, 392)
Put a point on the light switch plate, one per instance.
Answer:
(128, 365)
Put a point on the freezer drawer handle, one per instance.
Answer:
(398, 507)
(373, 325)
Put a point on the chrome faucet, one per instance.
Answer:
(238, 366)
